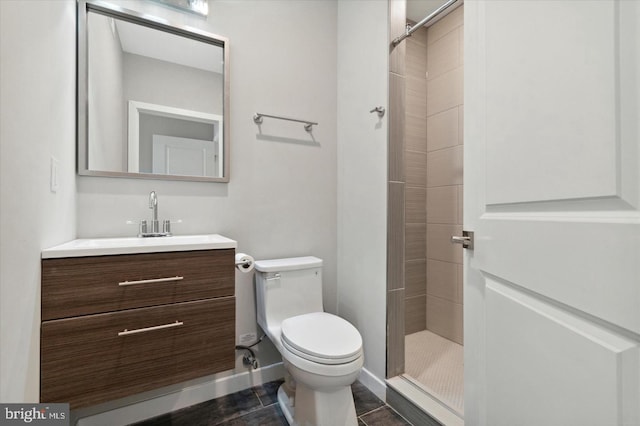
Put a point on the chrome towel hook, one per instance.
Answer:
(380, 110)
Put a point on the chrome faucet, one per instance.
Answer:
(153, 205)
(155, 223)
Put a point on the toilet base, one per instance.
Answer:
(316, 408)
(285, 401)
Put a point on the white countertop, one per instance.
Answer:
(131, 245)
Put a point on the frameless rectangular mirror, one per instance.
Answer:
(153, 98)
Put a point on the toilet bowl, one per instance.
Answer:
(321, 352)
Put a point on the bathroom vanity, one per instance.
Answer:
(127, 315)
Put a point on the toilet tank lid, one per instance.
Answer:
(289, 264)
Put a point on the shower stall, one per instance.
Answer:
(425, 279)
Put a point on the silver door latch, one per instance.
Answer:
(466, 240)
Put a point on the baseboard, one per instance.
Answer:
(373, 383)
(148, 406)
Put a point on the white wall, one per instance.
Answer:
(283, 195)
(182, 87)
(104, 92)
(362, 173)
(281, 199)
(37, 105)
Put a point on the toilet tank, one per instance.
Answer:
(286, 288)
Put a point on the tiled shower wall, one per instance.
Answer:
(424, 276)
(444, 175)
(433, 178)
(415, 172)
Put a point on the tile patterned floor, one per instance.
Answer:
(259, 407)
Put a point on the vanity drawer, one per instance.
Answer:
(85, 361)
(88, 285)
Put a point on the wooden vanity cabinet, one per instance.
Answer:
(118, 325)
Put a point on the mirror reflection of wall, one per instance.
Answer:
(131, 62)
(107, 131)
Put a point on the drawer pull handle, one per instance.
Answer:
(154, 280)
(144, 330)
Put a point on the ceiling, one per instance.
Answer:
(145, 41)
(417, 10)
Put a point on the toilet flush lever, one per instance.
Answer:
(274, 277)
(466, 240)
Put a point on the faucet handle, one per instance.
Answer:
(142, 225)
(166, 226)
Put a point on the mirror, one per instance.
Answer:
(153, 98)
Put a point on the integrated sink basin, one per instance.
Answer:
(130, 245)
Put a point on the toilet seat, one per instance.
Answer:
(322, 338)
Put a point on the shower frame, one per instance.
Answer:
(402, 393)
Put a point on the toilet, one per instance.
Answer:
(322, 353)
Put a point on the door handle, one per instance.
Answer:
(144, 330)
(153, 280)
(466, 240)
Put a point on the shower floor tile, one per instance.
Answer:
(436, 364)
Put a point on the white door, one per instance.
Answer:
(184, 156)
(552, 288)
